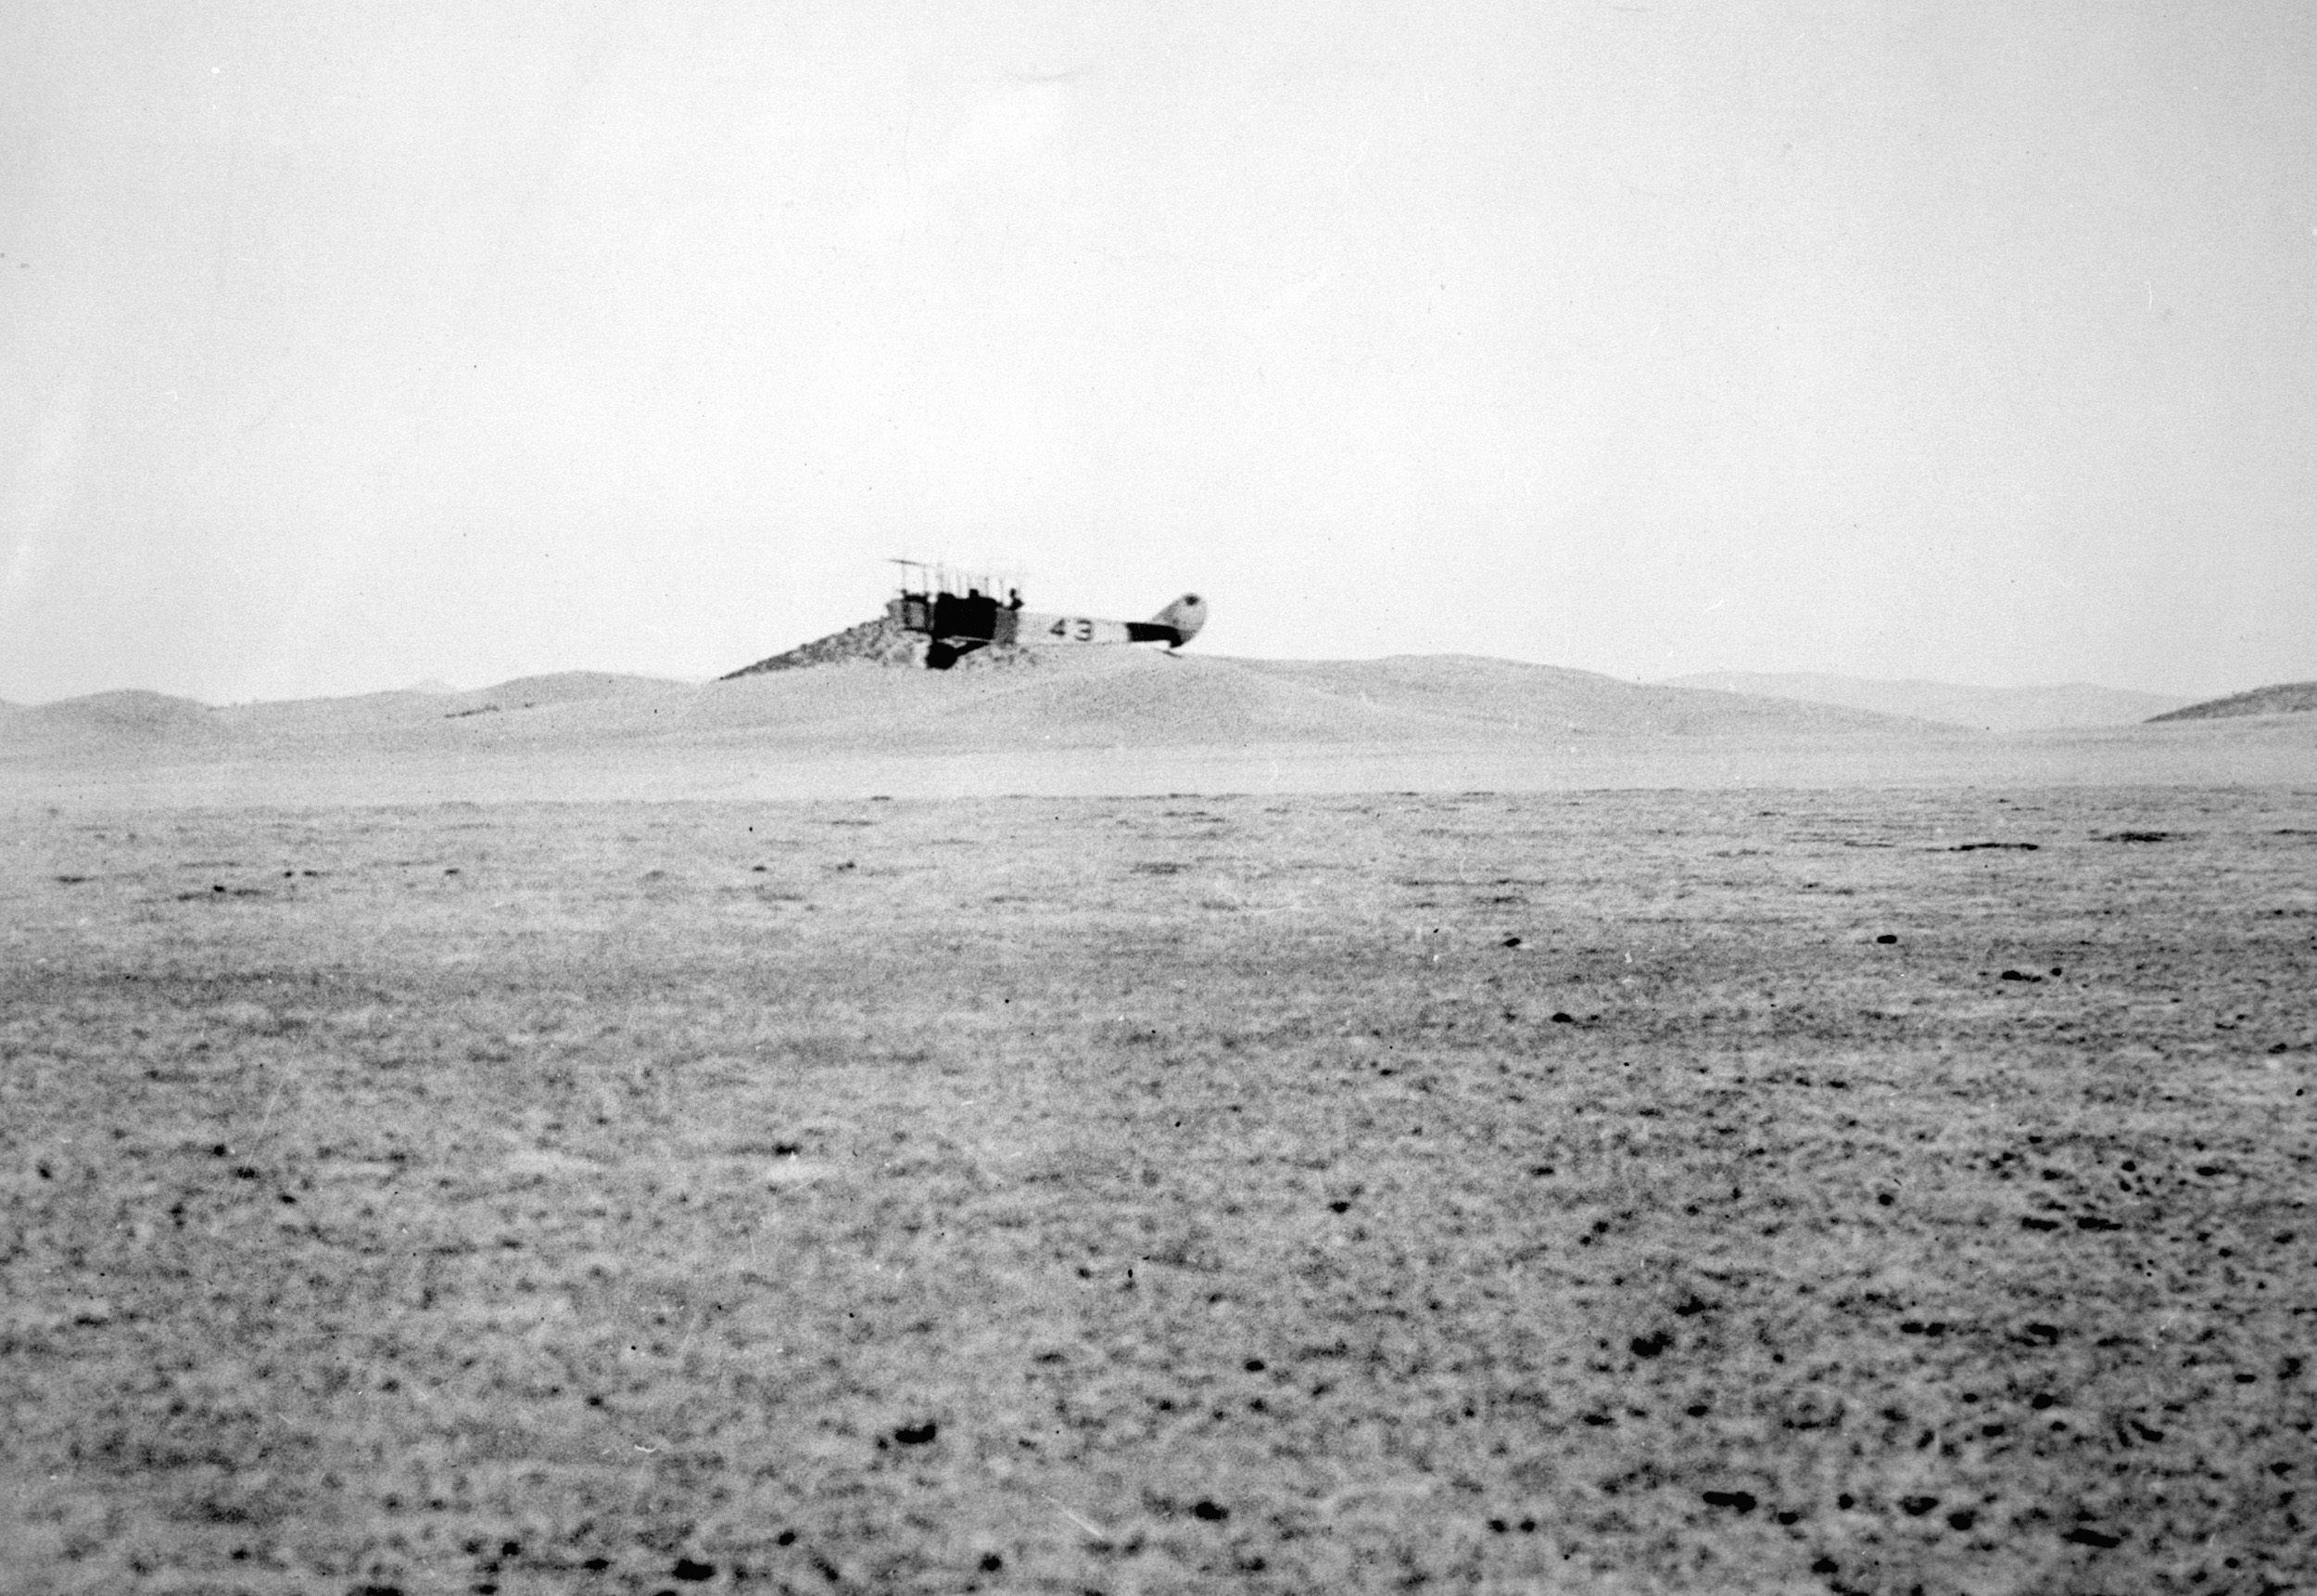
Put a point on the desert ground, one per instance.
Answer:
(1754, 1189)
(1144, 1126)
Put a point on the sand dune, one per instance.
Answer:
(1113, 697)
(570, 687)
(1985, 708)
(1093, 721)
(1073, 700)
(1151, 699)
(2282, 698)
(132, 721)
(1560, 700)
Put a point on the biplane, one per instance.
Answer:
(958, 611)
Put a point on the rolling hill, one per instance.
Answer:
(1983, 708)
(1063, 722)
(2282, 698)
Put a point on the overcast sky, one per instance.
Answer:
(347, 346)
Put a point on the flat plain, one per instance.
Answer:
(1626, 1191)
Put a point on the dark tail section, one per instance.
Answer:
(1174, 626)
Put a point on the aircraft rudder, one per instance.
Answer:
(1184, 618)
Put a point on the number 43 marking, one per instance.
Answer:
(1072, 626)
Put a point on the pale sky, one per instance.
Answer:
(345, 346)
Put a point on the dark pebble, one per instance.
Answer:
(916, 1435)
(1211, 1511)
(1886, 939)
(1736, 1501)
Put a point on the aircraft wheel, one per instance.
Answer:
(940, 656)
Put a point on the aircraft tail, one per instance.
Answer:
(1178, 623)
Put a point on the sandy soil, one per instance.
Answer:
(1591, 1192)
